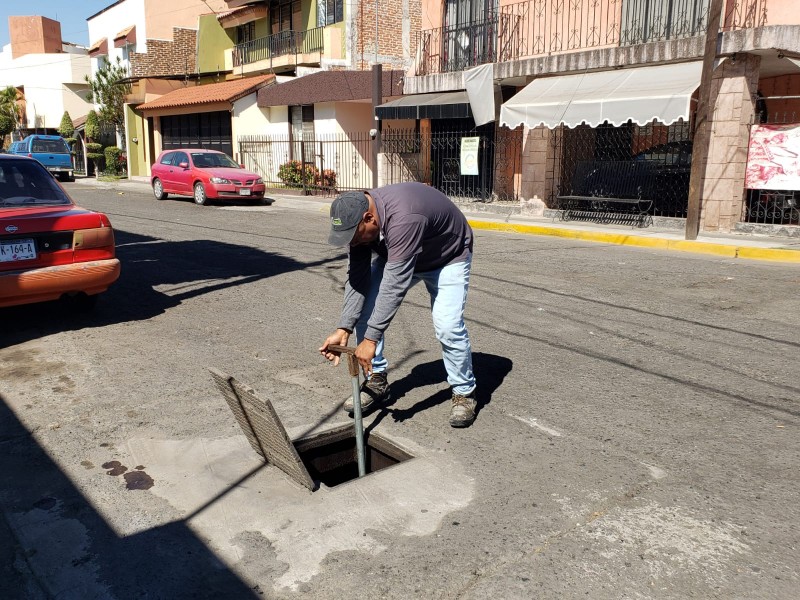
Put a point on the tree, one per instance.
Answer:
(66, 129)
(9, 108)
(106, 91)
(92, 129)
(7, 124)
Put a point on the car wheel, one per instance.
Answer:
(200, 194)
(158, 190)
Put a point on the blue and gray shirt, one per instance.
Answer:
(420, 230)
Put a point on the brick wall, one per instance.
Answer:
(165, 57)
(395, 43)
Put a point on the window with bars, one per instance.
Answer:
(329, 12)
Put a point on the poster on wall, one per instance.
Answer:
(773, 158)
(469, 155)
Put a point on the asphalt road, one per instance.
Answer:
(637, 438)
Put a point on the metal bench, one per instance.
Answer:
(611, 191)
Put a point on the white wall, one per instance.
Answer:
(111, 22)
(52, 84)
(248, 118)
(325, 118)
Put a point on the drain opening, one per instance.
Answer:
(330, 457)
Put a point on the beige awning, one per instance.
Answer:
(638, 94)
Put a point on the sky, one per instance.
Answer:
(71, 14)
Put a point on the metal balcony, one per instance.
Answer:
(283, 43)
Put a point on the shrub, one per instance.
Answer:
(71, 142)
(326, 179)
(94, 154)
(114, 161)
(295, 174)
(66, 129)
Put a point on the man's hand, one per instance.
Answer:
(338, 337)
(365, 352)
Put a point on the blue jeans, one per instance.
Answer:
(448, 291)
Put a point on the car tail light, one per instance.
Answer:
(30, 155)
(93, 244)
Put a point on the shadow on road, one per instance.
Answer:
(490, 371)
(187, 268)
(69, 551)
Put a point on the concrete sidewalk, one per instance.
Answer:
(506, 218)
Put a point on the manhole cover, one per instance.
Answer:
(328, 458)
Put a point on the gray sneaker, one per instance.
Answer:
(374, 391)
(462, 413)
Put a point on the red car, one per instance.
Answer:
(49, 248)
(204, 175)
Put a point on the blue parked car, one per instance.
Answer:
(50, 150)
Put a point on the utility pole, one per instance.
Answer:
(375, 132)
(702, 131)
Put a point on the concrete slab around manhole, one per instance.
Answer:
(302, 529)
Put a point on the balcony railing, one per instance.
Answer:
(542, 27)
(283, 43)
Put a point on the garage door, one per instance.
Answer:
(210, 130)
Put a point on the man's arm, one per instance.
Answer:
(356, 287)
(397, 278)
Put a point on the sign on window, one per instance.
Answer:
(469, 155)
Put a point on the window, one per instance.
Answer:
(246, 33)
(167, 158)
(285, 15)
(329, 12)
(302, 131)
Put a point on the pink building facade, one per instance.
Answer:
(538, 49)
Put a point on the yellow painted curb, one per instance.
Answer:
(622, 239)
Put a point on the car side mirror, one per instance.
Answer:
(184, 165)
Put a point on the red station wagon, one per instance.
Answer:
(49, 248)
(204, 175)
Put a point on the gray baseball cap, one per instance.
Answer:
(346, 213)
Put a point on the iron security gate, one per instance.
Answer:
(595, 162)
(332, 163)
(210, 130)
(435, 158)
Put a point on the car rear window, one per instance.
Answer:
(167, 158)
(51, 146)
(27, 183)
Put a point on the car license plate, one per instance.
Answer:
(17, 250)
(244, 191)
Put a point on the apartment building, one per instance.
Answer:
(596, 99)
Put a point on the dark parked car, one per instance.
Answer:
(658, 175)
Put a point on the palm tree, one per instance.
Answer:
(9, 113)
(8, 103)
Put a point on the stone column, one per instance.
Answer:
(733, 96)
(537, 169)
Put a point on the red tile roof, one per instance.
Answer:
(226, 91)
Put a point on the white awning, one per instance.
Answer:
(640, 94)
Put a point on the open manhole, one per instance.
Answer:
(327, 458)
(330, 457)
